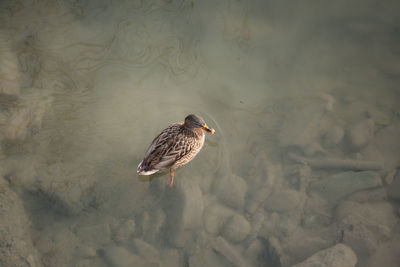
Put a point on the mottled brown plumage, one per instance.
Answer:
(175, 146)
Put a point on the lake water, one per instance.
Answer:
(304, 98)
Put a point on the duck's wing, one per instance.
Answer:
(165, 149)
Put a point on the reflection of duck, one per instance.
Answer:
(175, 146)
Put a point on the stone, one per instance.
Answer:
(372, 195)
(333, 137)
(394, 189)
(207, 257)
(231, 190)
(215, 216)
(229, 252)
(378, 116)
(339, 255)
(338, 186)
(256, 222)
(378, 213)
(146, 250)
(86, 251)
(361, 133)
(365, 225)
(282, 201)
(360, 239)
(121, 257)
(236, 229)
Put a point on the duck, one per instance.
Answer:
(175, 146)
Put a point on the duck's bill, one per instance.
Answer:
(209, 130)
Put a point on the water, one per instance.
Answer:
(303, 96)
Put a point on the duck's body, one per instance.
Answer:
(175, 146)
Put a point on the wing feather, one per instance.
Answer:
(167, 148)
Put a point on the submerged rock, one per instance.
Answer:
(365, 225)
(236, 229)
(208, 257)
(121, 257)
(229, 252)
(339, 255)
(338, 186)
(361, 133)
(215, 217)
(146, 250)
(232, 191)
(333, 136)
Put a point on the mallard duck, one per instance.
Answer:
(175, 146)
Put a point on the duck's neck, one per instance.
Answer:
(195, 132)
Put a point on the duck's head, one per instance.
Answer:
(194, 121)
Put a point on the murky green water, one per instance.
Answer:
(304, 98)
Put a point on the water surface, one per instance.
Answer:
(300, 95)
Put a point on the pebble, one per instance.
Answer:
(339, 255)
(229, 252)
(146, 250)
(338, 186)
(364, 224)
(208, 257)
(236, 229)
(256, 223)
(215, 216)
(86, 251)
(333, 136)
(232, 191)
(361, 133)
(121, 257)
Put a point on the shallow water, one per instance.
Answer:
(303, 97)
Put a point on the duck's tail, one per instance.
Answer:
(142, 170)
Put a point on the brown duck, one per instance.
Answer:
(175, 146)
